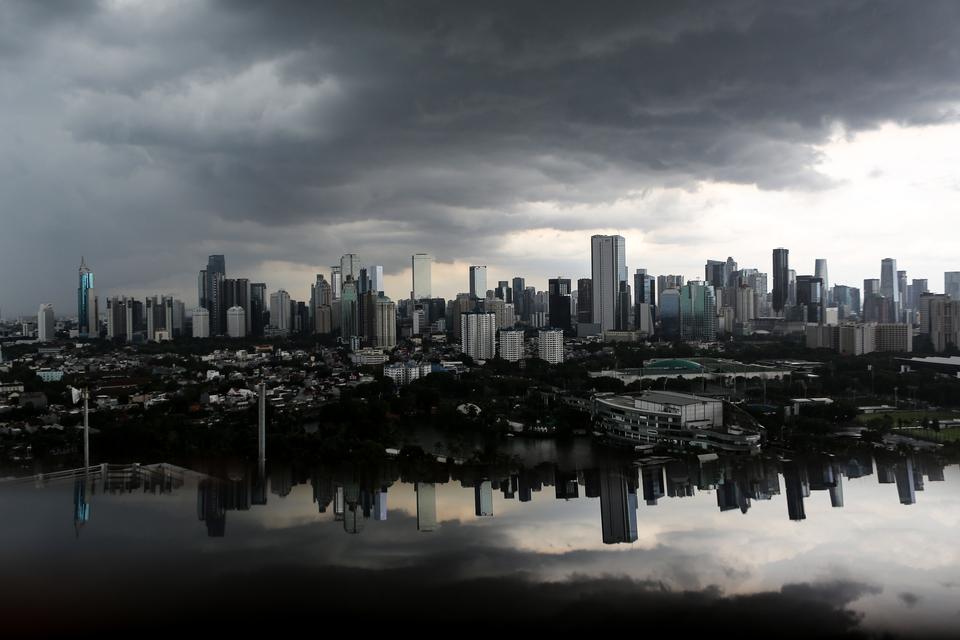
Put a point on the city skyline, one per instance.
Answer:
(277, 155)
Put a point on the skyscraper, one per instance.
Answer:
(280, 311)
(87, 311)
(951, 284)
(336, 281)
(698, 312)
(608, 269)
(820, 271)
(211, 292)
(584, 300)
(810, 294)
(519, 285)
(46, 324)
(236, 322)
(422, 267)
(781, 278)
(478, 282)
(350, 266)
(559, 303)
(889, 283)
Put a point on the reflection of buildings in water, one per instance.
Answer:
(906, 489)
(211, 506)
(426, 506)
(836, 492)
(618, 504)
(281, 480)
(652, 477)
(508, 486)
(338, 502)
(380, 504)
(81, 509)
(565, 484)
(793, 482)
(679, 482)
(483, 498)
(322, 484)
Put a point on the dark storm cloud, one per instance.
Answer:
(444, 121)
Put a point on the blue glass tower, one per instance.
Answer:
(83, 300)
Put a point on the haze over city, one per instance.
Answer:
(148, 135)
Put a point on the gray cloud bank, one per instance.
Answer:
(149, 136)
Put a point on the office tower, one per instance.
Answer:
(559, 303)
(336, 281)
(135, 319)
(375, 278)
(644, 288)
(608, 269)
(479, 333)
(86, 302)
(385, 323)
(791, 287)
(847, 300)
(350, 267)
(744, 304)
(280, 311)
(820, 271)
(919, 287)
(889, 284)
(422, 267)
(584, 300)
(698, 312)
(499, 308)
(46, 324)
(951, 284)
(511, 345)
(483, 498)
(810, 295)
(530, 306)
(426, 506)
(618, 505)
(478, 282)
(210, 292)
(781, 279)
(902, 288)
(871, 286)
(236, 322)
(503, 291)
(173, 312)
(349, 309)
(155, 318)
(669, 309)
(624, 308)
(258, 308)
(116, 318)
(714, 273)
(550, 345)
(519, 285)
(201, 323)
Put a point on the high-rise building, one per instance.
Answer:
(559, 303)
(236, 322)
(847, 300)
(349, 309)
(902, 288)
(942, 321)
(350, 267)
(608, 269)
(889, 283)
(618, 505)
(584, 300)
(46, 323)
(478, 282)
(781, 279)
(918, 287)
(669, 309)
(698, 312)
(336, 281)
(201, 323)
(116, 318)
(385, 323)
(280, 316)
(87, 312)
(511, 344)
(951, 284)
(519, 285)
(422, 266)
(503, 291)
(212, 292)
(479, 333)
(714, 273)
(820, 271)
(258, 308)
(550, 345)
(810, 295)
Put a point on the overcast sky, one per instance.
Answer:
(147, 135)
